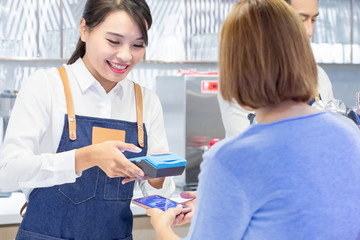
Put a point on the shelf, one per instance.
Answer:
(26, 59)
(155, 62)
(63, 60)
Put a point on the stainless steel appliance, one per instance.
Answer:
(192, 118)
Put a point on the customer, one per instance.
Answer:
(77, 181)
(235, 118)
(283, 178)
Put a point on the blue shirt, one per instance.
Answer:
(297, 178)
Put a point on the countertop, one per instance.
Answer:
(10, 206)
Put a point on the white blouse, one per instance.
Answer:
(28, 157)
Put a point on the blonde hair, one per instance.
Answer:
(265, 55)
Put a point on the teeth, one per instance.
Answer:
(116, 66)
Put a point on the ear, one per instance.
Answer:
(83, 30)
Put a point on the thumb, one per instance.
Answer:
(188, 194)
(127, 147)
(152, 211)
(178, 209)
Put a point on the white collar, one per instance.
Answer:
(85, 79)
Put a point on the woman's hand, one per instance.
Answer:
(109, 157)
(154, 182)
(186, 217)
(163, 222)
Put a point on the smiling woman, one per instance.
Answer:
(110, 45)
(113, 49)
(73, 128)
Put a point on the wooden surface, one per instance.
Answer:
(142, 230)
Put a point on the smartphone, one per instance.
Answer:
(157, 201)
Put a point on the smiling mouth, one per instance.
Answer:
(117, 66)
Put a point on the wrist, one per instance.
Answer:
(166, 233)
(83, 159)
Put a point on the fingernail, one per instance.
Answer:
(137, 149)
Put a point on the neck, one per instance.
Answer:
(283, 110)
(106, 84)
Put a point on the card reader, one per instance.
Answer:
(160, 165)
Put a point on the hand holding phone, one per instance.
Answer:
(191, 203)
(157, 201)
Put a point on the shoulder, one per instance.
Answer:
(151, 101)
(323, 78)
(42, 79)
(322, 75)
(321, 72)
(148, 92)
(233, 151)
(344, 124)
(150, 98)
(45, 74)
(324, 85)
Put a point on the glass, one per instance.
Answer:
(7, 48)
(52, 44)
(204, 47)
(337, 106)
(168, 32)
(71, 37)
(320, 105)
(334, 105)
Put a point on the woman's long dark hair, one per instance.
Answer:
(96, 11)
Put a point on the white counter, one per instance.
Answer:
(10, 207)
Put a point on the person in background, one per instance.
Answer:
(282, 178)
(73, 128)
(235, 118)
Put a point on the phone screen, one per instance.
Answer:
(157, 201)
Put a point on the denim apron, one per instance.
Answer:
(95, 206)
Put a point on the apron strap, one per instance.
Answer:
(71, 112)
(22, 213)
(69, 103)
(139, 114)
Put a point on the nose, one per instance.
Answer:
(124, 53)
(309, 26)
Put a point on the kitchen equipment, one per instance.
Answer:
(192, 118)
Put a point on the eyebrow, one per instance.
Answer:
(122, 36)
(307, 15)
